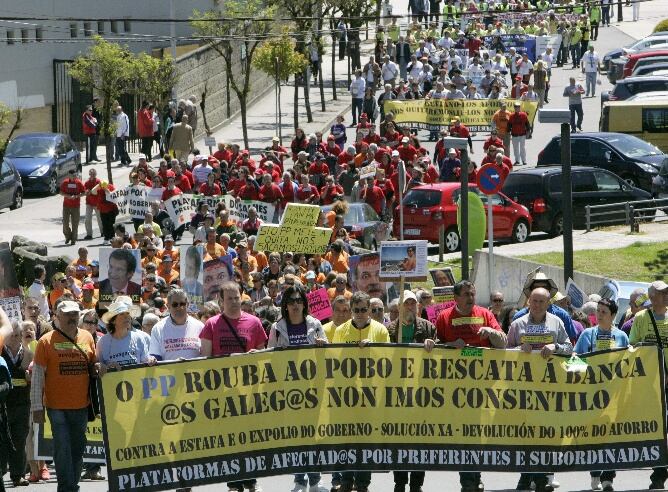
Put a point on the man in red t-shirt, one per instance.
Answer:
(91, 204)
(468, 324)
(373, 195)
(71, 189)
(519, 127)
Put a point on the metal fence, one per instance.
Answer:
(627, 213)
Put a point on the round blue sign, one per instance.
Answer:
(489, 179)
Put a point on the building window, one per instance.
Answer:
(127, 26)
(114, 27)
(25, 36)
(74, 30)
(10, 37)
(87, 29)
(100, 28)
(39, 34)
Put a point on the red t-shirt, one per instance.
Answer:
(167, 194)
(518, 123)
(89, 185)
(248, 328)
(72, 187)
(183, 183)
(249, 192)
(270, 193)
(207, 190)
(460, 131)
(375, 197)
(305, 192)
(407, 152)
(452, 325)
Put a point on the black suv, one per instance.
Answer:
(539, 189)
(633, 159)
(630, 86)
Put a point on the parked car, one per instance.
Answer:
(649, 96)
(539, 189)
(43, 160)
(363, 224)
(660, 182)
(644, 118)
(633, 159)
(654, 39)
(427, 207)
(660, 68)
(631, 86)
(11, 188)
(651, 56)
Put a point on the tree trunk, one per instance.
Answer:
(243, 109)
(321, 83)
(106, 133)
(295, 107)
(280, 115)
(334, 42)
(379, 6)
(307, 98)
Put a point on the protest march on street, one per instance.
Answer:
(236, 314)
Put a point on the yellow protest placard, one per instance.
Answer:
(297, 239)
(381, 408)
(476, 114)
(300, 214)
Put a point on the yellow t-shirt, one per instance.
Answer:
(374, 331)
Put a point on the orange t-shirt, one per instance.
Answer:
(339, 264)
(66, 381)
(332, 294)
(261, 259)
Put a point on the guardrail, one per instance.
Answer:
(628, 213)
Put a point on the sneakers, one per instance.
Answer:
(88, 237)
(656, 485)
(550, 477)
(596, 484)
(93, 475)
(255, 488)
(20, 482)
(607, 486)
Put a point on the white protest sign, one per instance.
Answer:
(137, 200)
(577, 295)
(180, 209)
(368, 171)
(239, 209)
(119, 197)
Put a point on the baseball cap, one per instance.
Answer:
(395, 153)
(58, 276)
(88, 286)
(405, 140)
(168, 237)
(658, 285)
(409, 294)
(68, 307)
(95, 263)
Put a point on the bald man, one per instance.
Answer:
(539, 330)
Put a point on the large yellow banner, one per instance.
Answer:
(381, 408)
(476, 114)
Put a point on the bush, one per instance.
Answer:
(661, 26)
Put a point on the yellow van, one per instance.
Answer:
(646, 119)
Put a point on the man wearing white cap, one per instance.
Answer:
(650, 325)
(60, 381)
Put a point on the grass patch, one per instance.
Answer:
(641, 262)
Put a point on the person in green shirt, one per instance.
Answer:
(576, 36)
(394, 30)
(594, 20)
(647, 324)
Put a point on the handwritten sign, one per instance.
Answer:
(120, 198)
(368, 171)
(301, 214)
(319, 305)
(433, 310)
(180, 209)
(138, 202)
(297, 239)
(239, 209)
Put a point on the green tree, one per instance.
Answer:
(6, 115)
(109, 70)
(245, 25)
(277, 57)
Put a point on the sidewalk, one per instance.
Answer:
(261, 115)
(651, 12)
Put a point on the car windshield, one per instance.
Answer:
(632, 146)
(31, 147)
(422, 198)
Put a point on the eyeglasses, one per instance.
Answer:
(497, 300)
(360, 310)
(377, 310)
(36, 308)
(295, 300)
(340, 281)
(179, 304)
(90, 322)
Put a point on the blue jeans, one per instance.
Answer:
(69, 435)
(313, 478)
(575, 54)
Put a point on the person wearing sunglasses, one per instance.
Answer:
(177, 335)
(378, 311)
(297, 328)
(360, 330)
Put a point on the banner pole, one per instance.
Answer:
(490, 243)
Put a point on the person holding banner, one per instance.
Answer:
(539, 330)
(467, 324)
(297, 328)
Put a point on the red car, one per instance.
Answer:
(427, 207)
(633, 58)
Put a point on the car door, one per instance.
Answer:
(502, 217)
(611, 189)
(584, 192)
(62, 163)
(579, 152)
(600, 154)
(69, 155)
(6, 184)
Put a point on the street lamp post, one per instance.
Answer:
(462, 144)
(563, 117)
(620, 13)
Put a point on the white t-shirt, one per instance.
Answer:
(38, 292)
(170, 341)
(590, 62)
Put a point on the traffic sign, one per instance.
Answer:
(489, 179)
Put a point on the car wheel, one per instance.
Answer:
(53, 184)
(630, 180)
(557, 228)
(451, 240)
(520, 231)
(18, 200)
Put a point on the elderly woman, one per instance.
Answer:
(297, 328)
(603, 336)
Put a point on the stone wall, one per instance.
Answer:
(27, 254)
(205, 67)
